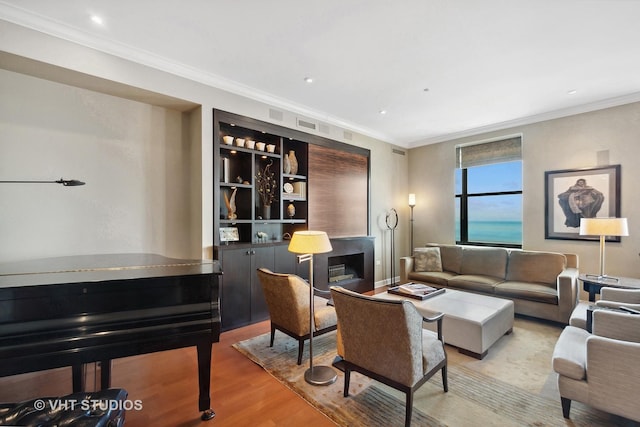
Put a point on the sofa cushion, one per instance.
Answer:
(536, 267)
(526, 290)
(484, 261)
(477, 283)
(440, 278)
(450, 255)
(427, 259)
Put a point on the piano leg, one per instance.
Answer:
(77, 373)
(105, 374)
(204, 380)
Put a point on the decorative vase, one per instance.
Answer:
(294, 162)
(291, 210)
(266, 211)
(286, 164)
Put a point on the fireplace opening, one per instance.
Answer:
(346, 267)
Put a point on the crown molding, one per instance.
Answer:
(537, 118)
(63, 31)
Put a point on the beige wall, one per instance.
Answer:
(608, 136)
(134, 158)
(152, 147)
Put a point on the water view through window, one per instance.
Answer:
(494, 203)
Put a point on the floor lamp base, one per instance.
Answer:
(320, 375)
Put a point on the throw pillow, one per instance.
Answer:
(427, 259)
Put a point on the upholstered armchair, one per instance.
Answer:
(287, 297)
(615, 297)
(385, 340)
(601, 369)
(609, 298)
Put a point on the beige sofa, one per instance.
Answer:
(540, 284)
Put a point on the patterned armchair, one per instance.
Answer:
(601, 369)
(385, 340)
(287, 297)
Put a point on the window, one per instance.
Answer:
(488, 186)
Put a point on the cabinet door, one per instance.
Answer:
(235, 287)
(284, 261)
(262, 257)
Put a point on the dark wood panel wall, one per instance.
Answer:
(338, 191)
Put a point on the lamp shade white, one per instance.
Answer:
(604, 227)
(310, 242)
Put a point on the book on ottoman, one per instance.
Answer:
(416, 290)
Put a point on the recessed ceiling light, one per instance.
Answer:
(383, 112)
(308, 79)
(572, 92)
(96, 19)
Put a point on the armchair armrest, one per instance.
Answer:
(320, 292)
(616, 304)
(436, 318)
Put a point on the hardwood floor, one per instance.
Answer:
(242, 393)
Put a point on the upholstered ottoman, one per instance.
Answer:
(105, 408)
(472, 322)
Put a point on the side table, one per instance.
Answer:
(593, 284)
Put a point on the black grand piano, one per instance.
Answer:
(69, 311)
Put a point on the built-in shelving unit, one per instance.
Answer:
(243, 148)
(245, 151)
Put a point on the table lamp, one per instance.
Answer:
(603, 227)
(307, 243)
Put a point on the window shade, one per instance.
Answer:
(504, 150)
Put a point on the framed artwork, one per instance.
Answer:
(572, 194)
(229, 234)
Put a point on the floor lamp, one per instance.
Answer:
(392, 222)
(307, 243)
(603, 227)
(412, 204)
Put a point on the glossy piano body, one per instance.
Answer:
(69, 311)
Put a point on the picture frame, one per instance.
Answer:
(229, 234)
(571, 194)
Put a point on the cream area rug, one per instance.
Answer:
(514, 385)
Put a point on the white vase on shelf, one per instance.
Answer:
(294, 162)
(286, 164)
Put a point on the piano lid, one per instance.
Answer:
(99, 267)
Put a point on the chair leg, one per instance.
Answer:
(347, 378)
(300, 350)
(408, 409)
(566, 406)
(445, 382)
(273, 335)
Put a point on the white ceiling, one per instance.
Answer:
(486, 64)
